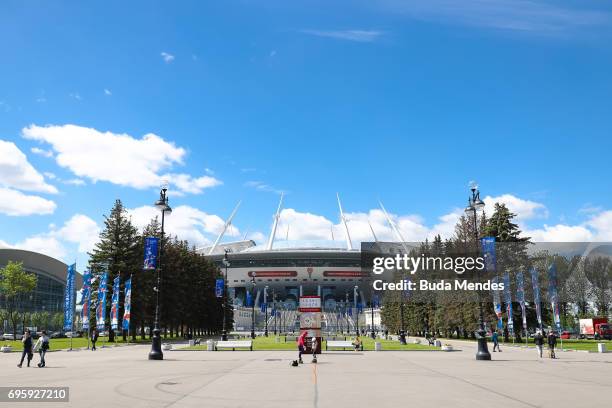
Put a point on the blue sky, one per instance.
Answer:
(402, 101)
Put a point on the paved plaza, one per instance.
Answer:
(123, 377)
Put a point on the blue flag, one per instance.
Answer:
(69, 298)
(536, 294)
(86, 296)
(219, 286)
(553, 295)
(127, 304)
(520, 297)
(508, 301)
(249, 299)
(150, 255)
(115, 304)
(101, 309)
(488, 251)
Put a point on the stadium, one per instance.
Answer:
(278, 273)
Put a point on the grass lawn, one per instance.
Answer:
(571, 344)
(270, 343)
(77, 342)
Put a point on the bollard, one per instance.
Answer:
(210, 345)
(601, 348)
(191, 343)
(377, 346)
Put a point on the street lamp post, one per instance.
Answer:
(266, 309)
(162, 205)
(227, 264)
(373, 333)
(253, 306)
(475, 204)
(274, 310)
(346, 305)
(356, 310)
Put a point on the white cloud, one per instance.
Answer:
(17, 172)
(261, 186)
(560, 233)
(49, 175)
(79, 229)
(107, 92)
(348, 35)
(185, 222)
(524, 209)
(192, 185)
(41, 152)
(602, 224)
(527, 16)
(117, 158)
(16, 203)
(75, 182)
(168, 58)
(76, 96)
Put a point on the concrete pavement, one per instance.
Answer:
(123, 377)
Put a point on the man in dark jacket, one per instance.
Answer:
(94, 338)
(538, 339)
(552, 343)
(27, 348)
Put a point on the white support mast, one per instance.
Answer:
(398, 234)
(373, 234)
(349, 244)
(276, 218)
(225, 227)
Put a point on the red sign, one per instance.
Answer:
(272, 274)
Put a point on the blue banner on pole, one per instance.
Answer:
(127, 304)
(488, 250)
(553, 295)
(85, 297)
(497, 305)
(69, 298)
(150, 254)
(219, 286)
(508, 301)
(263, 307)
(249, 299)
(536, 294)
(101, 308)
(115, 304)
(520, 297)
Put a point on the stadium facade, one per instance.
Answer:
(278, 273)
(51, 279)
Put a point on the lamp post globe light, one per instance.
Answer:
(227, 264)
(162, 205)
(475, 205)
(253, 306)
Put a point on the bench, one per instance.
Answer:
(234, 345)
(343, 344)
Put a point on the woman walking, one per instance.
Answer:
(301, 346)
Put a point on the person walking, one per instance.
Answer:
(313, 346)
(42, 345)
(538, 339)
(495, 338)
(300, 342)
(552, 343)
(27, 348)
(94, 338)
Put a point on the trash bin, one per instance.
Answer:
(438, 343)
(377, 346)
(601, 348)
(191, 343)
(210, 345)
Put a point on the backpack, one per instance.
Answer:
(44, 346)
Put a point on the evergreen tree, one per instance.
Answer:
(117, 252)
